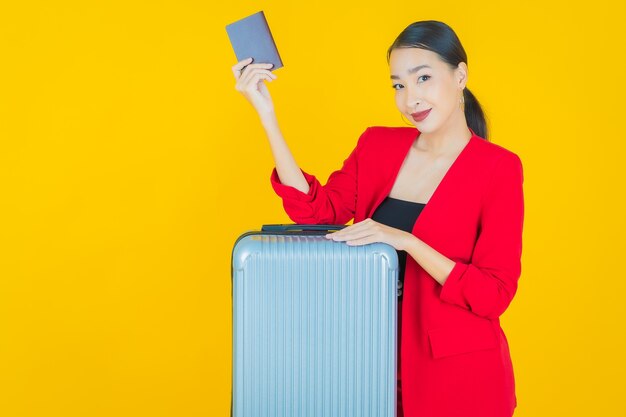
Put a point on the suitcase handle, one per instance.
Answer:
(300, 227)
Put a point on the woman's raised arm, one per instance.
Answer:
(250, 84)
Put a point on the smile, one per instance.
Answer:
(419, 116)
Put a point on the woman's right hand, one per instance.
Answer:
(250, 84)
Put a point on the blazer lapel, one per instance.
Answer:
(448, 178)
(394, 156)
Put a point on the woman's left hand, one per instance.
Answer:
(370, 231)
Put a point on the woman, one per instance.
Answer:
(440, 193)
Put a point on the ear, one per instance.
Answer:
(461, 75)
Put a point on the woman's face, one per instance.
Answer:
(433, 86)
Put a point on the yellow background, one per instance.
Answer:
(129, 165)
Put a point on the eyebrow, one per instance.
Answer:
(411, 71)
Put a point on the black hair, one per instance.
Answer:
(438, 37)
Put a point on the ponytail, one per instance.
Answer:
(474, 114)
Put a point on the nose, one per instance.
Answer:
(412, 104)
(412, 99)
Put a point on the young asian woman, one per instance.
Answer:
(463, 242)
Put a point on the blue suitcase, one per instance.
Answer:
(314, 325)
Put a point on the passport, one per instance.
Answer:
(251, 37)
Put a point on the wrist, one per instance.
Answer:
(408, 241)
(268, 119)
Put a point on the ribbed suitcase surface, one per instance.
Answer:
(314, 326)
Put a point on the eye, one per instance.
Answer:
(427, 77)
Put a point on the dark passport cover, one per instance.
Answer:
(251, 37)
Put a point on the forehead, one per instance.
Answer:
(403, 59)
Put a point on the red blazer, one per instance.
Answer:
(455, 359)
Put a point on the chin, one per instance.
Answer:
(429, 126)
(424, 128)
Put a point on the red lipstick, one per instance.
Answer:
(419, 116)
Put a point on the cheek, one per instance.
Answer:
(433, 94)
(439, 96)
(398, 99)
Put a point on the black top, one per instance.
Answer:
(402, 215)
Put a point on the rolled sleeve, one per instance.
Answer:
(299, 206)
(291, 193)
(487, 284)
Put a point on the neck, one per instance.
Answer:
(450, 137)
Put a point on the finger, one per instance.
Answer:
(363, 223)
(344, 231)
(361, 241)
(237, 68)
(252, 69)
(366, 224)
(252, 86)
(242, 63)
(248, 78)
(357, 234)
(240, 71)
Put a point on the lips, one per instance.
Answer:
(419, 116)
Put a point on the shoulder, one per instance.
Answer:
(494, 156)
(493, 150)
(498, 163)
